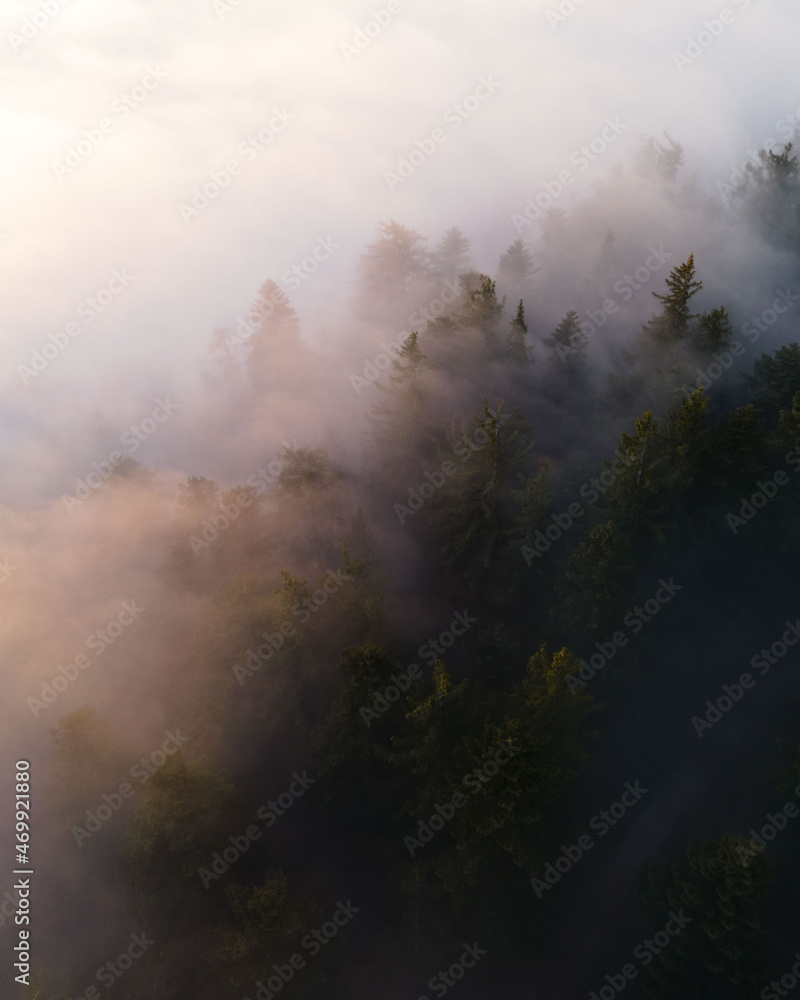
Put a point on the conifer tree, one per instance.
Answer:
(482, 309)
(568, 345)
(517, 265)
(517, 351)
(275, 348)
(713, 330)
(770, 195)
(718, 887)
(674, 321)
(452, 256)
(659, 161)
(775, 380)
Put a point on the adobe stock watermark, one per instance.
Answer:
(293, 277)
(454, 117)
(225, 7)
(476, 781)
(751, 330)
(428, 651)
(441, 983)
(109, 973)
(776, 823)
(372, 369)
(35, 22)
(93, 138)
(601, 823)
(215, 524)
(765, 492)
(264, 479)
(88, 310)
(313, 943)
(625, 287)
(238, 845)
(765, 658)
(786, 126)
(7, 907)
(6, 569)
(113, 802)
(363, 36)
(645, 952)
(131, 439)
(564, 11)
(788, 981)
(427, 313)
(712, 29)
(635, 620)
(304, 611)
(581, 158)
(432, 310)
(435, 480)
(219, 180)
(592, 490)
(99, 642)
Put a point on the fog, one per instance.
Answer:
(167, 168)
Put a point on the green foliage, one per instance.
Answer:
(775, 380)
(601, 574)
(568, 344)
(395, 420)
(789, 423)
(474, 513)
(483, 310)
(183, 814)
(770, 196)
(713, 330)
(87, 761)
(719, 886)
(517, 351)
(266, 926)
(358, 730)
(674, 321)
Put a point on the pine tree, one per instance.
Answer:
(568, 344)
(517, 351)
(517, 265)
(452, 256)
(775, 380)
(394, 419)
(275, 348)
(658, 161)
(267, 920)
(673, 323)
(183, 814)
(789, 423)
(770, 196)
(474, 513)
(223, 363)
(393, 268)
(713, 330)
(719, 955)
(600, 578)
(482, 309)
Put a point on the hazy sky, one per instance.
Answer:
(180, 87)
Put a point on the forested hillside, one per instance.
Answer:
(490, 677)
